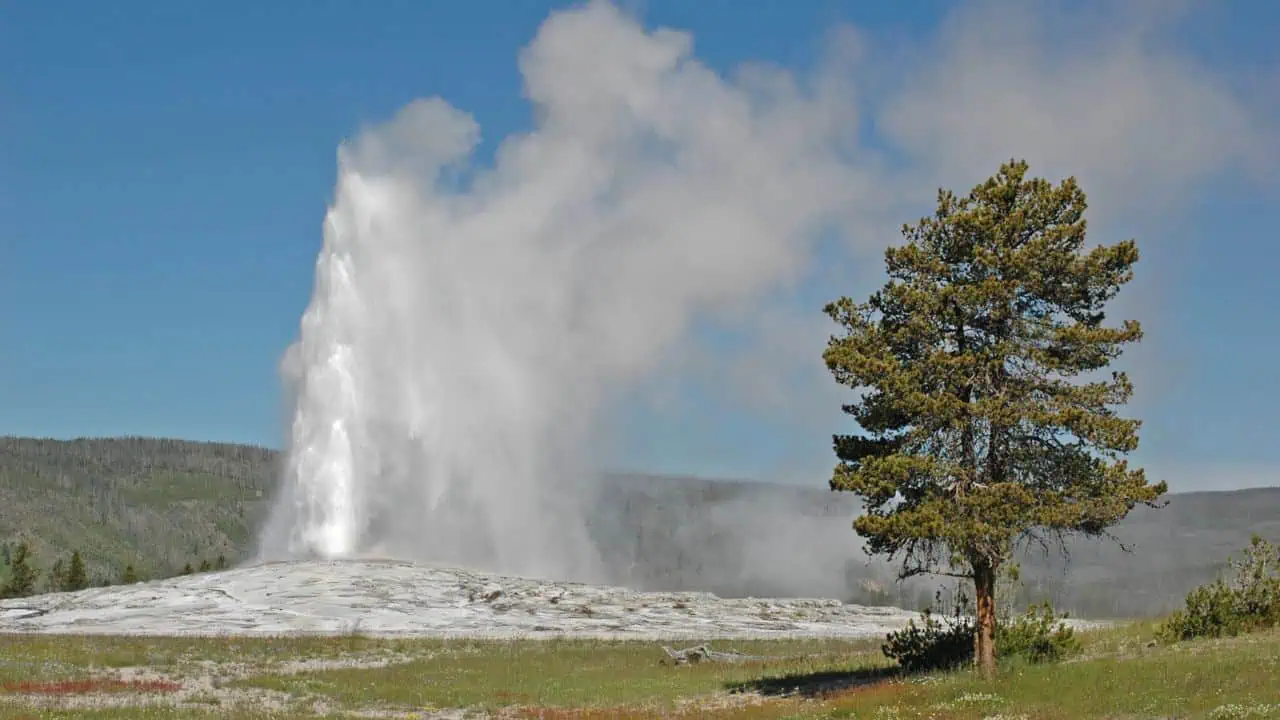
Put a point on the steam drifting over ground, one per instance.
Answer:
(467, 330)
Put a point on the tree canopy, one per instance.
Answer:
(987, 414)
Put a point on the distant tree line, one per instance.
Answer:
(21, 574)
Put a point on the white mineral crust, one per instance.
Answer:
(387, 598)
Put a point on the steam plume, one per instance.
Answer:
(469, 325)
(474, 327)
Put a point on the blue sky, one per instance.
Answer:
(164, 171)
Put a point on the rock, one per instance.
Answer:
(702, 653)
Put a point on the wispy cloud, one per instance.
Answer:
(1100, 91)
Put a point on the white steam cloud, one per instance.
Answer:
(473, 329)
(465, 336)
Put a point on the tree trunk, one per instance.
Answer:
(984, 636)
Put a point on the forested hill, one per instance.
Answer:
(156, 504)
(159, 504)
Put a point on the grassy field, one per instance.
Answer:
(1120, 675)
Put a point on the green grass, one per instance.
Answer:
(58, 657)
(1186, 681)
(564, 674)
(1119, 675)
(132, 713)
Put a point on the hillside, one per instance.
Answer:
(158, 504)
(737, 538)
(1175, 548)
(153, 503)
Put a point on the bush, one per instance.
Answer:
(932, 645)
(1038, 636)
(1246, 601)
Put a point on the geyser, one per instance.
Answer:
(471, 327)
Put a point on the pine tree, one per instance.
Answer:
(22, 575)
(986, 420)
(77, 578)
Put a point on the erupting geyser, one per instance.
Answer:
(322, 467)
(469, 327)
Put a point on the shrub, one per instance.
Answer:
(1247, 600)
(1040, 635)
(932, 645)
(1257, 583)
